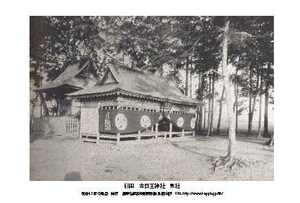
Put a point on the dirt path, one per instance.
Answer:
(59, 158)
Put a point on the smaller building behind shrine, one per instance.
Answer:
(53, 93)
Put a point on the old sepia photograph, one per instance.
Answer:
(151, 98)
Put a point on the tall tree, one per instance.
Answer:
(266, 114)
(235, 38)
(227, 70)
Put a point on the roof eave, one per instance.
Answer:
(119, 91)
(45, 89)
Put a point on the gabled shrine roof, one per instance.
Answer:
(135, 82)
(68, 77)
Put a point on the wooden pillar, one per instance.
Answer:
(152, 131)
(80, 137)
(156, 130)
(182, 133)
(98, 137)
(118, 137)
(193, 133)
(139, 135)
(170, 130)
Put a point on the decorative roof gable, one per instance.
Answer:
(110, 77)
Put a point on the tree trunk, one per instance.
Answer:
(212, 105)
(40, 84)
(44, 104)
(191, 82)
(220, 110)
(41, 105)
(209, 107)
(201, 105)
(266, 121)
(250, 115)
(200, 118)
(236, 106)
(204, 117)
(260, 109)
(229, 90)
(271, 141)
(187, 77)
(132, 64)
(229, 94)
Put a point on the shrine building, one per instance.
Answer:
(131, 104)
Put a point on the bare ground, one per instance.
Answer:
(65, 158)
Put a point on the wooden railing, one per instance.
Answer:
(72, 126)
(137, 136)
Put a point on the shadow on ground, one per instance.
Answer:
(72, 176)
(188, 149)
(242, 138)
